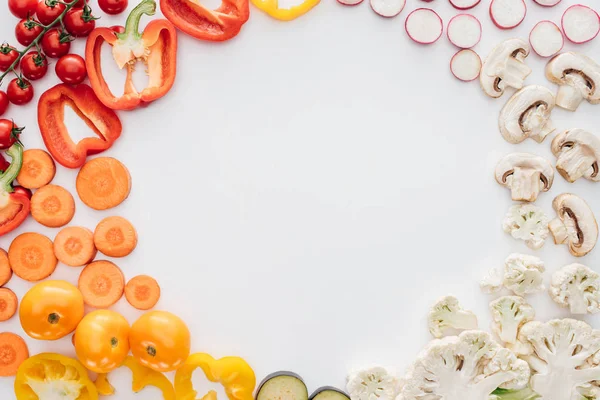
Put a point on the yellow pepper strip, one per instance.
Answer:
(53, 376)
(142, 377)
(236, 376)
(271, 7)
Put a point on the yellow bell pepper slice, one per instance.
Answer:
(141, 377)
(271, 7)
(53, 376)
(234, 373)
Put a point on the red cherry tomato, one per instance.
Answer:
(27, 30)
(55, 43)
(9, 133)
(34, 65)
(48, 10)
(22, 190)
(3, 102)
(22, 8)
(113, 7)
(19, 91)
(71, 69)
(79, 22)
(117, 28)
(8, 55)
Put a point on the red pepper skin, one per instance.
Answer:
(3, 163)
(102, 120)
(198, 21)
(14, 206)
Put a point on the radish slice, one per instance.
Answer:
(464, 31)
(507, 14)
(388, 8)
(580, 23)
(547, 3)
(546, 39)
(424, 26)
(465, 65)
(350, 2)
(464, 4)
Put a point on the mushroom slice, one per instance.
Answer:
(525, 175)
(527, 114)
(575, 225)
(578, 77)
(578, 155)
(505, 67)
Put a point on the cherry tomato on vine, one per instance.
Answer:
(117, 28)
(34, 65)
(22, 8)
(55, 43)
(113, 7)
(79, 22)
(27, 30)
(22, 190)
(19, 91)
(48, 10)
(8, 55)
(71, 69)
(9, 133)
(3, 102)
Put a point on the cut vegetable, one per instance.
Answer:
(52, 206)
(350, 2)
(464, 4)
(424, 26)
(142, 292)
(547, 3)
(282, 385)
(31, 256)
(508, 14)
(13, 351)
(329, 393)
(465, 65)
(464, 31)
(387, 8)
(8, 306)
(5, 270)
(38, 169)
(101, 283)
(74, 246)
(546, 39)
(115, 237)
(103, 183)
(580, 23)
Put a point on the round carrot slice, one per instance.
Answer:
(142, 292)
(101, 284)
(115, 237)
(38, 169)
(5, 270)
(31, 256)
(8, 304)
(13, 351)
(103, 183)
(52, 206)
(74, 246)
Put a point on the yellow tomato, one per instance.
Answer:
(160, 340)
(102, 340)
(51, 310)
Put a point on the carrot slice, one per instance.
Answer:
(31, 256)
(38, 169)
(142, 292)
(52, 206)
(115, 237)
(5, 270)
(8, 304)
(101, 284)
(74, 246)
(103, 183)
(13, 351)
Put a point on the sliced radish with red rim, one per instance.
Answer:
(464, 31)
(580, 23)
(424, 26)
(508, 14)
(547, 3)
(350, 2)
(464, 4)
(387, 8)
(465, 65)
(546, 39)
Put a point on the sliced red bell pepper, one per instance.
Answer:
(14, 205)
(156, 47)
(81, 98)
(202, 23)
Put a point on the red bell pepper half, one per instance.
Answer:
(156, 47)
(14, 205)
(81, 98)
(202, 23)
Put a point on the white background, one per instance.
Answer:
(307, 190)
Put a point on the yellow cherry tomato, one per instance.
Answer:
(160, 340)
(51, 310)
(102, 340)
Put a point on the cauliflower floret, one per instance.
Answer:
(466, 367)
(447, 317)
(373, 383)
(493, 281)
(577, 287)
(527, 222)
(509, 313)
(522, 274)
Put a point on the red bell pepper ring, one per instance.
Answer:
(156, 47)
(81, 98)
(14, 205)
(202, 23)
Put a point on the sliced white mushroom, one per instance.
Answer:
(578, 155)
(575, 225)
(527, 114)
(505, 67)
(578, 77)
(526, 175)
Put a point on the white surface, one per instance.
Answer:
(307, 190)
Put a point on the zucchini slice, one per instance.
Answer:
(282, 385)
(329, 393)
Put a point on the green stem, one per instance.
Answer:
(132, 25)
(15, 152)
